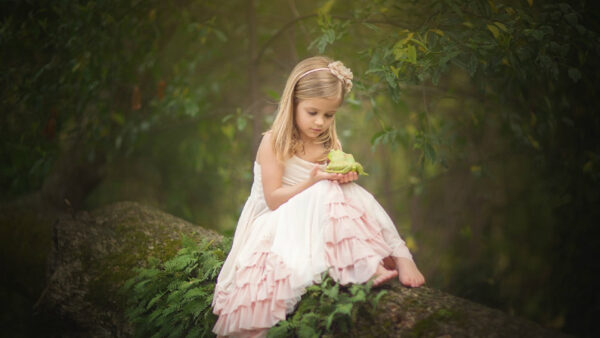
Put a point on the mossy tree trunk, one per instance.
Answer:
(93, 253)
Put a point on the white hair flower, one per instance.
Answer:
(343, 73)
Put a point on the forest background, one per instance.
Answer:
(475, 119)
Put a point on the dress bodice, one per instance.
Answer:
(295, 171)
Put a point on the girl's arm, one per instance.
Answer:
(272, 174)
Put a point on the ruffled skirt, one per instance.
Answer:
(339, 228)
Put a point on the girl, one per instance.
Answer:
(300, 220)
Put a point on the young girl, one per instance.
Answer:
(300, 220)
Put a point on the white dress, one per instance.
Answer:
(277, 253)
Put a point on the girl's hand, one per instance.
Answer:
(316, 174)
(347, 177)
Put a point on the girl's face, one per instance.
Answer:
(314, 116)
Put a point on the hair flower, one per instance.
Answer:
(343, 73)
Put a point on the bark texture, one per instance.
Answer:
(94, 253)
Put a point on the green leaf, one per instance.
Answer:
(355, 288)
(326, 8)
(155, 314)
(220, 35)
(412, 54)
(494, 30)
(345, 309)
(377, 298)
(332, 292)
(501, 26)
(305, 331)
(154, 300)
(280, 330)
(241, 123)
(359, 297)
(438, 32)
(193, 293)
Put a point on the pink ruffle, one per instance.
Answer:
(261, 296)
(354, 243)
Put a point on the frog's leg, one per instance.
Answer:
(360, 170)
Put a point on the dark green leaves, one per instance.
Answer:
(328, 308)
(174, 298)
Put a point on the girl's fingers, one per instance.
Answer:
(350, 177)
(344, 178)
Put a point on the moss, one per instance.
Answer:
(430, 326)
(112, 270)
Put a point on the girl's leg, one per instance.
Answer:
(401, 258)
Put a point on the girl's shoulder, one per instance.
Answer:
(265, 148)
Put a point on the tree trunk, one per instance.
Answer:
(93, 253)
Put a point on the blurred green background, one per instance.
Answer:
(477, 121)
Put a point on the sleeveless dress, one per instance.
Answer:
(277, 253)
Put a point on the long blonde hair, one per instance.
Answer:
(285, 135)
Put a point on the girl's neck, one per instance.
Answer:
(310, 145)
(312, 152)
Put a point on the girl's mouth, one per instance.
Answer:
(316, 130)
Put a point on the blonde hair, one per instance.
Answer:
(318, 84)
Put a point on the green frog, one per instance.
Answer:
(340, 162)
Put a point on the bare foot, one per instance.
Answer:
(408, 273)
(383, 275)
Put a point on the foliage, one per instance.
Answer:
(328, 308)
(113, 81)
(173, 298)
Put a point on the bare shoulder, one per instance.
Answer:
(271, 168)
(265, 148)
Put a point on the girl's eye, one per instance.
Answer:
(329, 116)
(312, 112)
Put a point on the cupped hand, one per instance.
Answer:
(316, 174)
(347, 177)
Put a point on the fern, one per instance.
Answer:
(173, 298)
(328, 308)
